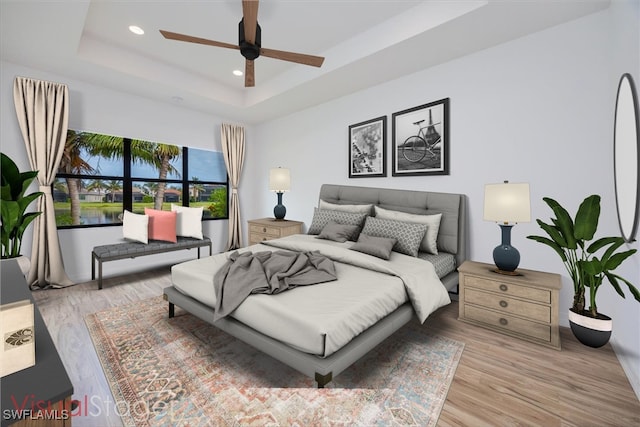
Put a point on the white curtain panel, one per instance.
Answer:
(43, 113)
(233, 150)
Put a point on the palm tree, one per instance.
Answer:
(98, 185)
(73, 163)
(60, 186)
(160, 156)
(151, 188)
(113, 186)
(197, 188)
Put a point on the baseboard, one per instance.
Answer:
(627, 362)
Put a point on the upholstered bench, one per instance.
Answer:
(128, 249)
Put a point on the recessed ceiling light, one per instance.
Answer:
(237, 73)
(136, 30)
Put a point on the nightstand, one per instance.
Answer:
(270, 228)
(524, 306)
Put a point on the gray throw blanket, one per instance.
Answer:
(267, 273)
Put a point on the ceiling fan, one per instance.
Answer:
(249, 43)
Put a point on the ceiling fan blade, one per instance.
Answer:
(250, 16)
(299, 58)
(190, 39)
(249, 74)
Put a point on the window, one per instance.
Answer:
(102, 175)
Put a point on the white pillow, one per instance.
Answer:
(345, 208)
(430, 240)
(188, 222)
(135, 227)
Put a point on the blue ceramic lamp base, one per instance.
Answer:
(505, 256)
(279, 211)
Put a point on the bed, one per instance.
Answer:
(321, 330)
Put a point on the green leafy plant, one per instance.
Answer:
(571, 240)
(218, 206)
(13, 206)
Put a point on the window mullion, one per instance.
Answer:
(127, 184)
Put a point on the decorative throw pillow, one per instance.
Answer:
(135, 227)
(339, 232)
(380, 247)
(321, 218)
(188, 221)
(366, 209)
(162, 225)
(430, 240)
(408, 235)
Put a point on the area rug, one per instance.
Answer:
(185, 372)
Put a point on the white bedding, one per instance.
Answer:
(320, 319)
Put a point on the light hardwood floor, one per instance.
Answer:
(500, 381)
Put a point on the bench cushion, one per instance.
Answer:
(128, 249)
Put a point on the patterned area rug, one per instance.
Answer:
(183, 371)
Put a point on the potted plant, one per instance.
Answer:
(13, 206)
(570, 238)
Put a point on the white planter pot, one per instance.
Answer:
(589, 331)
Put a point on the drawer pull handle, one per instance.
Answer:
(264, 229)
(503, 304)
(503, 287)
(503, 321)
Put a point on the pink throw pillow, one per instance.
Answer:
(162, 225)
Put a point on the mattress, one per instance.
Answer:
(317, 319)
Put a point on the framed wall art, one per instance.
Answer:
(367, 148)
(421, 140)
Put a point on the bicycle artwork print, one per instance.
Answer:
(421, 140)
(367, 148)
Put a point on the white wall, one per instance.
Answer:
(624, 21)
(102, 110)
(538, 109)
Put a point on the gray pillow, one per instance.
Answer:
(408, 235)
(430, 240)
(380, 247)
(367, 208)
(321, 218)
(339, 232)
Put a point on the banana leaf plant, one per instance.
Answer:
(570, 239)
(13, 205)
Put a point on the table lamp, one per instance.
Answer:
(507, 204)
(279, 181)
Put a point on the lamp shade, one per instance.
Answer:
(507, 203)
(279, 180)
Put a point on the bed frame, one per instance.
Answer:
(452, 237)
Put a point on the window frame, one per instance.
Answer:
(128, 181)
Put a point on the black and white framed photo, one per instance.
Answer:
(421, 140)
(367, 148)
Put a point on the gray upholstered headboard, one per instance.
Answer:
(452, 235)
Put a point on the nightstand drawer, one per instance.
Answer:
(265, 230)
(510, 289)
(505, 304)
(258, 238)
(503, 321)
(269, 228)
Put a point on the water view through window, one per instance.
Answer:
(100, 176)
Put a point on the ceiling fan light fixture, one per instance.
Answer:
(136, 30)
